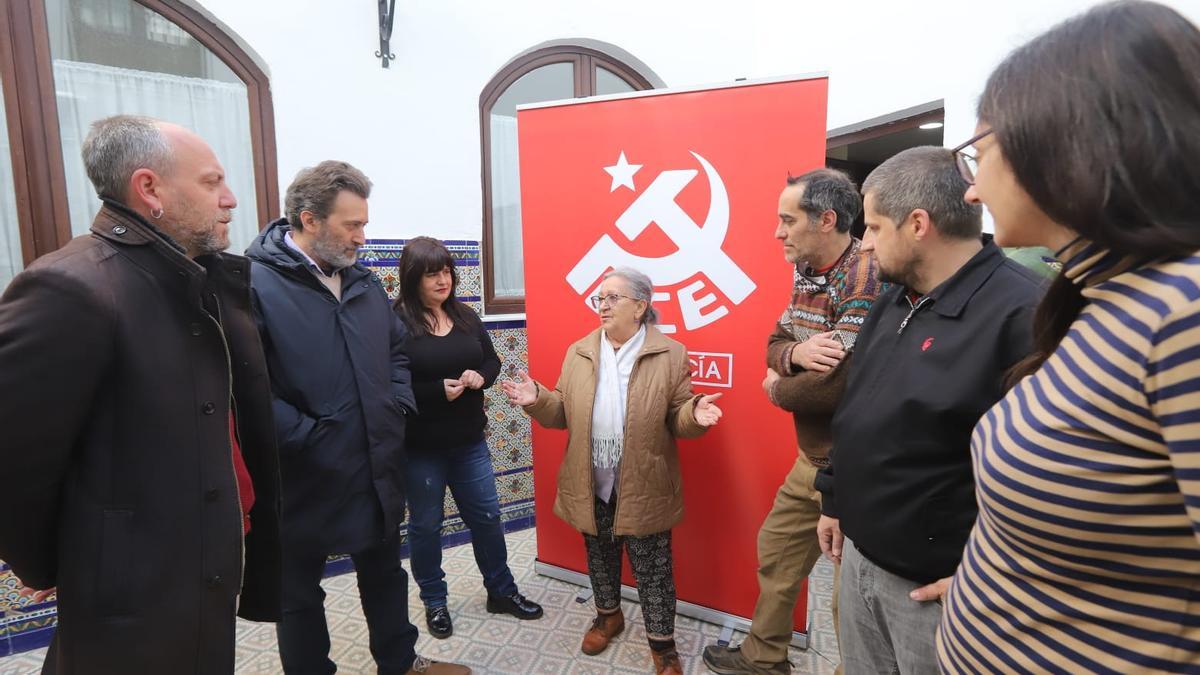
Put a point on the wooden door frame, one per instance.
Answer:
(27, 72)
(584, 60)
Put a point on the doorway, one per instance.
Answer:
(859, 148)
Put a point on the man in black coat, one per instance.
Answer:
(137, 418)
(342, 393)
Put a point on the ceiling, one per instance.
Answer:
(876, 150)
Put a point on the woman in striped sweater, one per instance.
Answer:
(1085, 555)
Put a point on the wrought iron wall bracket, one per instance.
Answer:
(387, 16)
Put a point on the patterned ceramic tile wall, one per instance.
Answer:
(383, 255)
(25, 626)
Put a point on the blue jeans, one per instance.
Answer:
(468, 473)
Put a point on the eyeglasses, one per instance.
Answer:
(610, 300)
(967, 163)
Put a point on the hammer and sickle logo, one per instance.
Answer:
(699, 247)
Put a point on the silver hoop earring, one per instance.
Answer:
(157, 215)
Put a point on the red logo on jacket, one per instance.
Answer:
(926, 344)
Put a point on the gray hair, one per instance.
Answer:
(926, 178)
(829, 190)
(640, 288)
(117, 146)
(316, 188)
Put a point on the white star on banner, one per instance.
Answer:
(622, 173)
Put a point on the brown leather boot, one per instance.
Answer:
(604, 628)
(667, 662)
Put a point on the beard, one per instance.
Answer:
(904, 274)
(198, 232)
(332, 252)
(210, 241)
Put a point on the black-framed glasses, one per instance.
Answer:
(610, 300)
(968, 164)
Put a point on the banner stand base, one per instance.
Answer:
(729, 622)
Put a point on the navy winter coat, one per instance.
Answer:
(342, 392)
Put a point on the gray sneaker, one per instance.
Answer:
(731, 661)
(431, 667)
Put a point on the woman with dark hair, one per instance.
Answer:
(1085, 555)
(452, 361)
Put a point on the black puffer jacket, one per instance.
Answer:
(342, 392)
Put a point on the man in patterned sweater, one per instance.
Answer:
(807, 357)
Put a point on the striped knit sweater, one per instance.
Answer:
(836, 301)
(1085, 556)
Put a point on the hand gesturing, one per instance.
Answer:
(521, 390)
(706, 412)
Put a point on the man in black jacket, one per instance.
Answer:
(931, 359)
(137, 419)
(342, 393)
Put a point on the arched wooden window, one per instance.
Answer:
(66, 63)
(552, 73)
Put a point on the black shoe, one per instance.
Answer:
(438, 621)
(516, 605)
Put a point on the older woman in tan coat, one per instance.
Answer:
(624, 396)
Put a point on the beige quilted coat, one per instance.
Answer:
(659, 410)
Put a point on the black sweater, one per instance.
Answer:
(449, 425)
(900, 480)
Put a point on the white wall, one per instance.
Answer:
(414, 128)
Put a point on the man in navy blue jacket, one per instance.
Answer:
(342, 392)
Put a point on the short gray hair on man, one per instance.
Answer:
(117, 146)
(640, 288)
(925, 177)
(316, 188)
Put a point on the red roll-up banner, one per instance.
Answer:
(684, 186)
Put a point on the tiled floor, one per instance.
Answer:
(498, 644)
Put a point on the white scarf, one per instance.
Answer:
(612, 393)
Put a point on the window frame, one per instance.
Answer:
(27, 77)
(585, 61)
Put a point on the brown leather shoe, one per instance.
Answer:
(667, 662)
(604, 628)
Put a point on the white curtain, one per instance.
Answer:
(218, 111)
(10, 235)
(507, 256)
